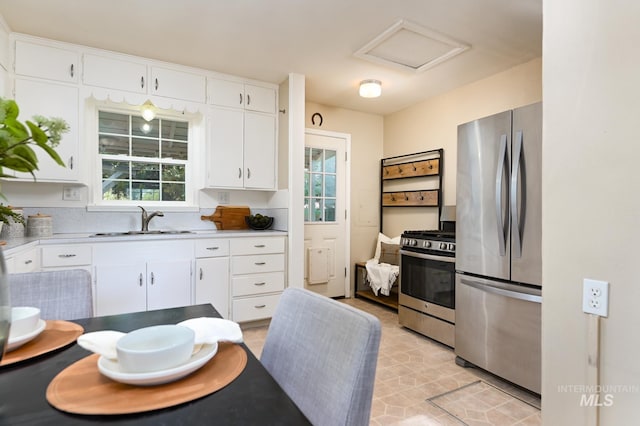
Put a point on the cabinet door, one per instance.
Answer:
(120, 289)
(178, 84)
(226, 93)
(114, 74)
(259, 151)
(52, 100)
(225, 148)
(212, 283)
(260, 99)
(168, 284)
(36, 60)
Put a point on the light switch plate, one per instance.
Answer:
(595, 297)
(70, 193)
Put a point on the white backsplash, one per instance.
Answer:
(78, 220)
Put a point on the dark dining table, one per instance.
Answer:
(253, 398)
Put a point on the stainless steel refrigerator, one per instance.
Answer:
(498, 245)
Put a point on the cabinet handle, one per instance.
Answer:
(259, 245)
(71, 71)
(260, 263)
(260, 306)
(239, 172)
(156, 84)
(153, 279)
(248, 173)
(213, 248)
(71, 162)
(240, 98)
(142, 82)
(28, 262)
(140, 279)
(200, 273)
(66, 255)
(248, 99)
(260, 284)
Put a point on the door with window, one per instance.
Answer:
(325, 229)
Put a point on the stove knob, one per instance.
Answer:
(413, 243)
(452, 247)
(443, 246)
(426, 244)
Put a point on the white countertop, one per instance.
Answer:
(16, 244)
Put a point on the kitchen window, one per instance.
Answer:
(142, 161)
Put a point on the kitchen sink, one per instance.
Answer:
(129, 233)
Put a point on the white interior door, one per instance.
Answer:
(326, 238)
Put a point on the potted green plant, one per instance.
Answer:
(16, 142)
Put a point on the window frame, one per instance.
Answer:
(195, 137)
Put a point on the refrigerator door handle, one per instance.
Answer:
(516, 232)
(502, 232)
(502, 292)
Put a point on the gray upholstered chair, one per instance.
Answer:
(323, 353)
(64, 294)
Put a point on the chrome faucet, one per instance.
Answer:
(146, 218)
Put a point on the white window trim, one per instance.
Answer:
(195, 150)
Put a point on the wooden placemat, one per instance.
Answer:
(81, 389)
(56, 335)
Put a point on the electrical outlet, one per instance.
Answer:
(595, 297)
(70, 193)
(223, 197)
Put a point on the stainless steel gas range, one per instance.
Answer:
(427, 284)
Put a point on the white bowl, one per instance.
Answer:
(155, 348)
(24, 320)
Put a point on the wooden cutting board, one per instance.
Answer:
(229, 217)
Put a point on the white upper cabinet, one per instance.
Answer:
(52, 100)
(238, 95)
(53, 63)
(178, 84)
(112, 73)
(259, 151)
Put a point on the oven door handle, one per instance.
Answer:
(428, 256)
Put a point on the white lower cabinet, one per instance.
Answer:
(212, 274)
(140, 276)
(24, 261)
(257, 277)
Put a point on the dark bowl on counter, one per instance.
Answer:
(259, 222)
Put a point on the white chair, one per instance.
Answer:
(64, 294)
(323, 353)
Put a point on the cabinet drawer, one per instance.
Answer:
(254, 308)
(26, 262)
(257, 264)
(257, 245)
(68, 255)
(212, 248)
(257, 284)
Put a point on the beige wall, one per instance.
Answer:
(591, 205)
(366, 151)
(433, 123)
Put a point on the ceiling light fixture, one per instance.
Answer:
(148, 111)
(370, 88)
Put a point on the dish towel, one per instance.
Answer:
(207, 331)
(381, 276)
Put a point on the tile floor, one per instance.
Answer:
(419, 383)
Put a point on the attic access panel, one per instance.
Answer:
(409, 46)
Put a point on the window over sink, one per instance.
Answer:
(143, 162)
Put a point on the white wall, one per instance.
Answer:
(432, 124)
(591, 205)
